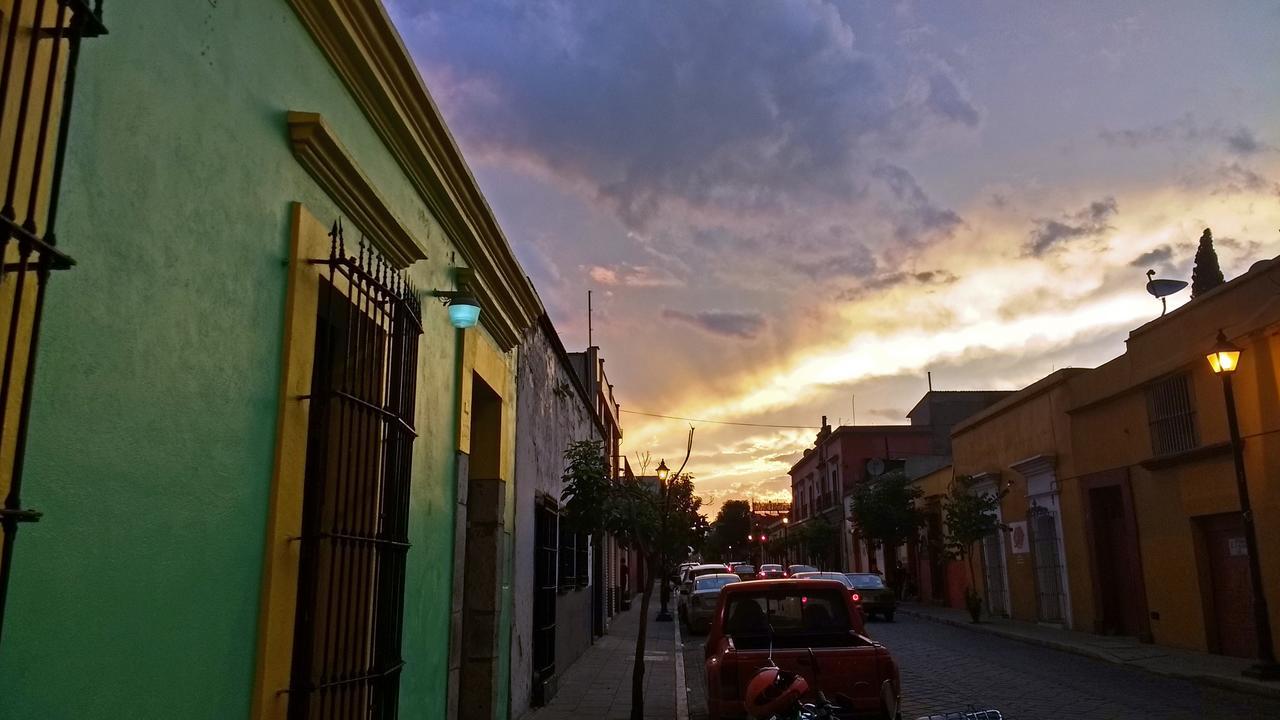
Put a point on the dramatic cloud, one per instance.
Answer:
(741, 325)
(865, 191)
(1087, 223)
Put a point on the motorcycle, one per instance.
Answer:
(775, 694)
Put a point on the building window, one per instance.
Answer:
(355, 499)
(546, 552)
(583, 560)
(1171, 415)
(568, 558)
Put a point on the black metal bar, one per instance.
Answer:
(388, 415)
(364, 539)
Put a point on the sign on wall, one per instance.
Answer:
(1018, 541)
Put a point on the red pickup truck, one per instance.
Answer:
(807, 622)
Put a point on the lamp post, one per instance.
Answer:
(786, 549)
(664, 614)
(1225, 359)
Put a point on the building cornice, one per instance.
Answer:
(367, 53)
(322, 154)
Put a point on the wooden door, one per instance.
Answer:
(1108, 538)
(1229, 593)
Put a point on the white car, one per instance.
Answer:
(686, 584)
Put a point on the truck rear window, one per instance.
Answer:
(794, 617)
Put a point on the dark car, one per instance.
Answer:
(810, 627)
(770, 572)
(793, 569)
(744, 571)
(877, 597)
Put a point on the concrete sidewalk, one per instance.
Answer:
(1215, 670)
(598, 684)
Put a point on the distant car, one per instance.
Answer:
(877, 598)
(770, 572)
(744, 571)
(838, 577)
(703, 598)
(812, 628)
(686, 582)
(793, 569)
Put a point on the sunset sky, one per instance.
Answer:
(795, 209)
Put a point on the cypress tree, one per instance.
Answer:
(1206, 275)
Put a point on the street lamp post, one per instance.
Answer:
(1225, 359)
(786, 549)
(664, 614)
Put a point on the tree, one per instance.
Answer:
(659, 522)
(1205, 275)
(731, 527)
(969, 518)
(884, 510)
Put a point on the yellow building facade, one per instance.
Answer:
(1121, 501)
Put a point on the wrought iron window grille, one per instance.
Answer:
(347, 658)
(39, 53)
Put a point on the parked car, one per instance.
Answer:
(769, 572)
(703, 598)
(877, 597)
(744, 571)
(793, 569)
(841, 578)
(811, 627)
(686, 582)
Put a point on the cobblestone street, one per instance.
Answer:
(947, 668)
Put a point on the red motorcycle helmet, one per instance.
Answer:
(773, 691)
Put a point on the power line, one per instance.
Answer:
(720, 422)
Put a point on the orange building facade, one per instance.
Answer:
(1121, 503)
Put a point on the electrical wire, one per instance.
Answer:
(719, 422)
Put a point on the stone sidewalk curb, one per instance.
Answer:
(1217, 681)
(682, 691)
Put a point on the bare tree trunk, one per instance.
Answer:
(637, 672)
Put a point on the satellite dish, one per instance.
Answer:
(1162, 288)
(875, 466)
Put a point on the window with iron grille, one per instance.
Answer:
(1171, 416)
(346, 655)
(546, 552)
(568, 558)
(39, 49)
(582, 559)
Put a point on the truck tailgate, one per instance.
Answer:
(849, 671)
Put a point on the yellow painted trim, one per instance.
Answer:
(318, 150)
(480, 356)
(309, 240)
(367, 53)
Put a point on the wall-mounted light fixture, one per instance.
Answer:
(464, 308)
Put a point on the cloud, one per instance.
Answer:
(1156, 256)
(627, 275)
(1089, 222)
(763, 120)
(917, 217)
(947, 101)
(1240, 140)
(897, 279)
(741, 325)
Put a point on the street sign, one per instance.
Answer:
(1018, 544)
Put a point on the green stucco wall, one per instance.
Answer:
(153, 425)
